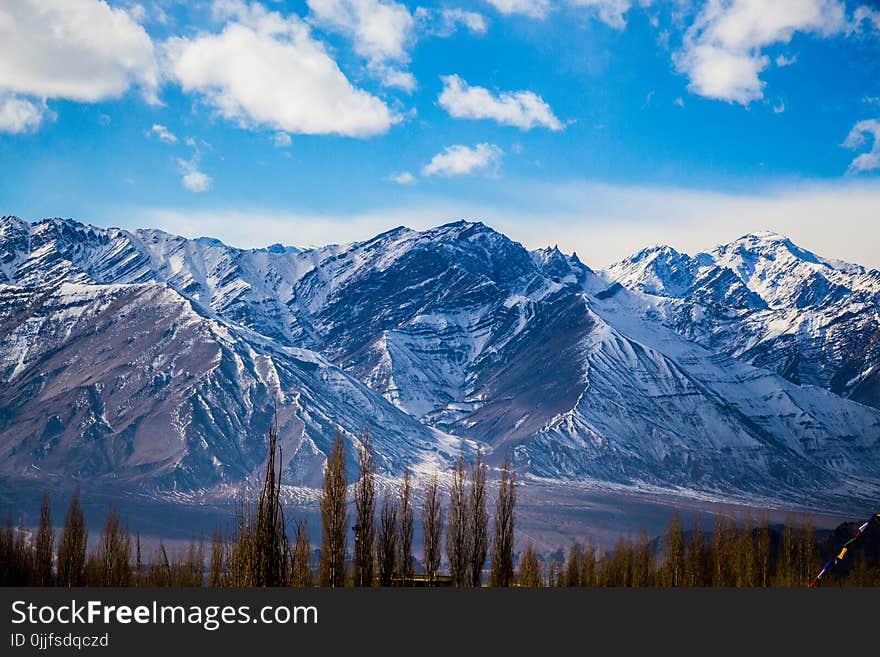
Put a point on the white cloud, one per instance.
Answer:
(19, 115)
(82, 50)
(402, 178)
(679, 101)
(533, 8)
(608, 11)
(446, 22)
(281, 140)
(266, 70)
(523, 109)
(162, 133)
(783, 61)
(459, 160)
(779, 108)
(722, 54)
(865, 14)
(611, 12)
(869, 161)
(191, 178)
(380, 30)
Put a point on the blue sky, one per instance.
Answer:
(599, 125)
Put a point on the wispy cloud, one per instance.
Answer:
(162, 134)
(861, 133)
(403, 178)
(601, 222)
(281, 140)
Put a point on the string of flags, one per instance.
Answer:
(833, 561)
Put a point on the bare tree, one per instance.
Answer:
(432, 528)
(138, 562)
(502, 541)
(72, 546)
(271, 530)
(405, 531)
(673, 553)
(218, 548)
(258, 552)
(301, 564)
(529, 568)
(365, 515)
(44, 547)
(457, 528)
(479, 521)
(112, 562)
(386, 543)
(334, 517)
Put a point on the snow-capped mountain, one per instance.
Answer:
(770, 303)
(158, 359)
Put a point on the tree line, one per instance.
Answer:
(259, 551)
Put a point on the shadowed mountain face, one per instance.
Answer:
(158, 361)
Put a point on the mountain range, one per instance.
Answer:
(144, 360)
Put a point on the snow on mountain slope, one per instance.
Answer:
(766, 301)
(130, 382)
(430, 337)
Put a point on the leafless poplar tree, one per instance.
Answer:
(405, 531)
(72, 546)
(334, 517)
(457, 528)
(432, 528)
(44, 547)
(502, 541)
(529, 568)
(386, 541)
(301, 563)
(479, 522)
(365, 515)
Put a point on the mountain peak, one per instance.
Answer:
(764, 236)
(9, 223)
(768, 244)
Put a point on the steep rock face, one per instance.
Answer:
(130, 383)
(146, 357)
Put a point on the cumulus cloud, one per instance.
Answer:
(857, 138)
(380, 30)
(460, 160)
(162, 134)
(523, 109)
(722, 52)
(402, 178)
(266, 70)
(19, 115)
(82, 50)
